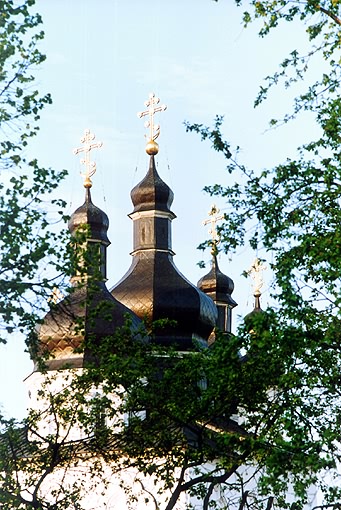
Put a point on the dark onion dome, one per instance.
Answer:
(85, 315)
(219, 287)
(95, 218)
(152, 193)
(89, 311)
(153, 287)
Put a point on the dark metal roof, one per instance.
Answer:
(90, 215)
(153, 287)
(89, 311)
(217, 285)
(152, 192)
(86, 313)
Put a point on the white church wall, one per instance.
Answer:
(125, 488)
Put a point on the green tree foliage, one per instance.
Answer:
(25, 241)
(321, 23)
(293, 209)
(168, 418)
(291, 213)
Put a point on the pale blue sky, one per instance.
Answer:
(104, 58)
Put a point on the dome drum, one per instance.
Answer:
(150, 231)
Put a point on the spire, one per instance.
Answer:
(152, 147)
(215, 283)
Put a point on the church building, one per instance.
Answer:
(153, 289)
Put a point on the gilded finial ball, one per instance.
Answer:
(152, 148)
(87, 183)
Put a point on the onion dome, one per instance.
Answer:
(96, 223)
(219, 287)
(89, 313)
(86, 317)
(90, 215)
(153, 287)
(152, 193)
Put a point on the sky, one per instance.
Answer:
(103, 60)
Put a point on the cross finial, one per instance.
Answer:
(56, 296)
(90, 166)
(256, 273)
(154, 129)
(214, 218)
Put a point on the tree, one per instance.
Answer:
(321, 22)
(170, 416)
(25, 242)
(167, 420)
(293, 209)
(292, 214)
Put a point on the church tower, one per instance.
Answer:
(69, 325)
(215, 283)
(153, 288)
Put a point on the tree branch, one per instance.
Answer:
(330, 14)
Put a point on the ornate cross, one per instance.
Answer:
(256, 273)
(56, 296)
(151, 110)
(214, 218)
(90, 166)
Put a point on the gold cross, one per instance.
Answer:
(90, 166)
(151, 110)
(56, 296)
(214, 218)
(256, 273)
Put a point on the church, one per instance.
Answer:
(162, 308)
(153, 288)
